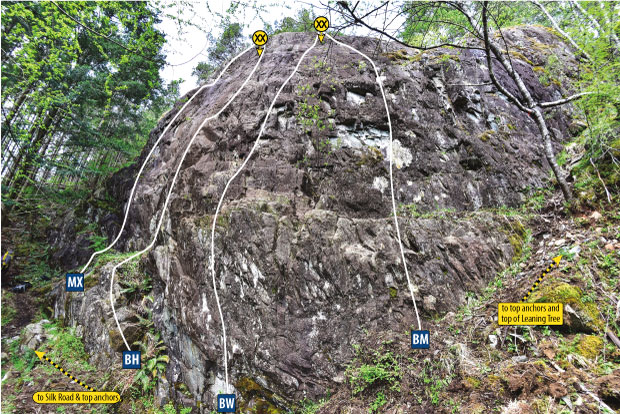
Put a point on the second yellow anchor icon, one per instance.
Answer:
(321, 24)
(259, 38)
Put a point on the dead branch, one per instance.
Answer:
(359, 20)
(565, 100)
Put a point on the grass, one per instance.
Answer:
(307, 406)
(435, 382)
(66, 349)
(8, 311)
(22, 362)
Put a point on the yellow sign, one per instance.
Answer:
(530, 314)
(260, 37)
(321, 24)
(71, 397)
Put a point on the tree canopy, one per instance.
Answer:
(81, 89)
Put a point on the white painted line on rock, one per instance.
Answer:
(219, 204)
(400, 243)
(163, 212)
(135, 184)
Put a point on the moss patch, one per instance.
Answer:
(486, 135)
(520, 56)
(90, 281)
(371, 156)
(517, 235)
(471, 382)
(560, 292)
(116, 341)
(398, 55)
(256, 399)
(589, 346)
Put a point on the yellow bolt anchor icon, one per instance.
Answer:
(259, 38)
(321, 24)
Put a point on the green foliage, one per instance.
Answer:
(310, 407)
(229, 44)
(434, 382)
(66, 349)
(379, 402)
(609, 263)
(133, 280)
(98, 242)
(8, 310)
(552, 71)
(313, 120)
(77, 105)
(426, 24)
(384, 370)
(303, 22)
(22, 362)
(155, 362)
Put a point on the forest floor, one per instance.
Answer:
(476, 366)
(473, 365)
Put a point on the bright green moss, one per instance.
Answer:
(560, 292)
(589, 346)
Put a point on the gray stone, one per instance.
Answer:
(306, 252)
(33, 336)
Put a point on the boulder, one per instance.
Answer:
(306, 252)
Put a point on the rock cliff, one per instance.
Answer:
(307, 259)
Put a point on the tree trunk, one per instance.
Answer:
(40, 153)
(550, 155)
(6, 124)
(23, 149)
(540, 121)
(537, 112)
(28, 165)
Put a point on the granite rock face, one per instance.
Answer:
(307, 259)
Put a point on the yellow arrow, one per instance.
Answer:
(42, 357)
(259, 50)
(321, 37)
(556, 263)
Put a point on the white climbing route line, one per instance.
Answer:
(400, 243)
(163, 212)
(219, 204)
(135, 184)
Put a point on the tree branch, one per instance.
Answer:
(358, 20)
(487, 49)
(559, 30)
(563, 101)
(93, 31)
(132, 51)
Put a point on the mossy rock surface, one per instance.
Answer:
(517, 234)
(256, 398)
(589, 346)
(579, 316)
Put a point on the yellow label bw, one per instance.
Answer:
(530, 314)
(70, 397)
